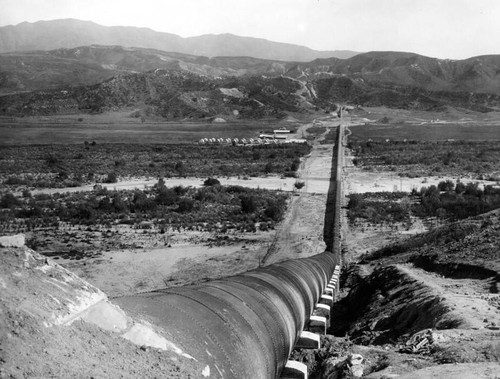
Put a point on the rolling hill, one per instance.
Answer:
(171, 94)
(41, 70)
(477, 74)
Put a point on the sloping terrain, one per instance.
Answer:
(42, 70)
(171, 94)
(70, 33)
(431, 299)
(468, 247)
(404, 80)
(477, 74)
(100, 78)
(48, 327)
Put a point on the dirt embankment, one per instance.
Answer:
(43, 335)
(405, 322)
(431, 299)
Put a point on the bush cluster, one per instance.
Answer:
(448, 200)
(208, 208)
(458, 201)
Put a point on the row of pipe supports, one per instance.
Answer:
(319, 321)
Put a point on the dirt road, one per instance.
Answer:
(301, 232)
(269, 182)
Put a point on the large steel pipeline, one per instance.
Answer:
(246, 326)
(243, 326)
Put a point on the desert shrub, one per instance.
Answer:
(248, 203)
(141, 202)
(460, 188)
(447, 185)
(273, 211)
(111, 178)
(211, 182)
(166, 196)
(295, 164)
(378, 207)
(9, 201)
(118, 204)
(185, 205)
(299, 185)
(268, 167)
(15, 180)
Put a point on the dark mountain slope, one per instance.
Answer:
(171, 94)
(342, 89)
(478, 74)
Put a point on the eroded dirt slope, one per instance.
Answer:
(38, 301)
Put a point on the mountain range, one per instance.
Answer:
(69, 33)
(175, 85)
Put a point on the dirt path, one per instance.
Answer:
(301, 232)
(270, 182)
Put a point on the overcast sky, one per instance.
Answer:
(453, 29)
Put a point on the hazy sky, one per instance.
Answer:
(438, 28)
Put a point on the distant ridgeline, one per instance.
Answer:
(176, 85)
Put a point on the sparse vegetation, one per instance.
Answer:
(379, 207)
(28, 166)
(454, 203)
(420, 158)
(210, 208)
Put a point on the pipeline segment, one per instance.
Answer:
(246, 326)
(243, 326)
